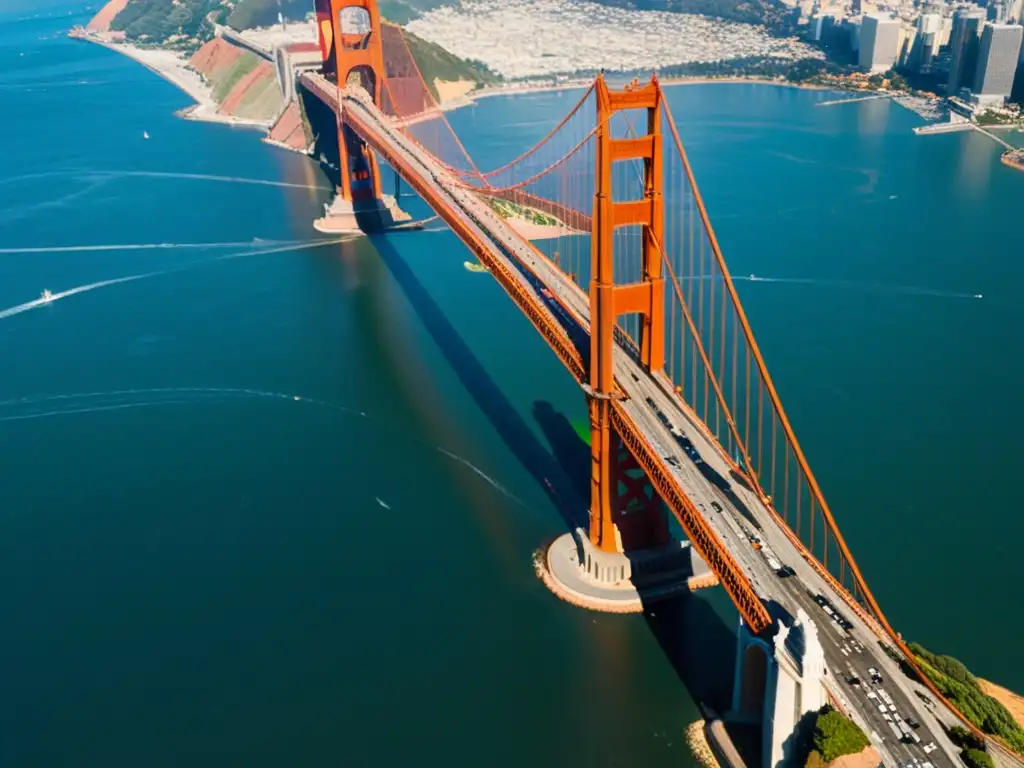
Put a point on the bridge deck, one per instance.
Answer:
(688, 489)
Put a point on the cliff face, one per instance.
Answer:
(101, 21)
(243, 84)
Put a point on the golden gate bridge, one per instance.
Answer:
(630, 289)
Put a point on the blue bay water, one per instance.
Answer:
(280, 507)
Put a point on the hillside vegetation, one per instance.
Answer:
(158, 21)
(249, 14)
(435, 62)
(958, 685)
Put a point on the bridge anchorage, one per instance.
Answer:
(351, 46)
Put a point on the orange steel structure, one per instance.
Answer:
(351, 44)
(657, 287)
(609, 300)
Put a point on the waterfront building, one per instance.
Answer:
(997, 62)
(926, 46)
(879, 43)
(906, 45)
(965, 41)
(853, 27)
(926, 53)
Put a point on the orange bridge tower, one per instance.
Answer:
(628, 555)
(353, 56)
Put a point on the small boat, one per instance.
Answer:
(46, 295)
(145, 134)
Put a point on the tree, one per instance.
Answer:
(975, 758)
(835, 736)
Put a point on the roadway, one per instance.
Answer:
(847, 652)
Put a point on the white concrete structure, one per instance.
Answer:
(997, 61)
(879, 43)
(779, 682)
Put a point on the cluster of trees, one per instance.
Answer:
(957, 684)
(155, 21)
(249, 14)
(972, 749)
(835, 736)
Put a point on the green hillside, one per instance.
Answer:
(437, 63)
(159, 21)
(248, 14)
(433, 61)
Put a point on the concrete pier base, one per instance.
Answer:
(617, 583)
(342, 218)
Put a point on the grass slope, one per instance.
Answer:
(243, 65)
(962, 689)
(435, 62)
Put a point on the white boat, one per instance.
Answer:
(46, 295)
(145, 134)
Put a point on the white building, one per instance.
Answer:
(879, 43)
(997, 62)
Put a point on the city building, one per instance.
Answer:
(945, 32)
(853, 27)
(964, 43)
(925, 53)
(879, 43)
(906, 43)
(926, 45)
(997, 62)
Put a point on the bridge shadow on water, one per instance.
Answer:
(696, 640)
(488, 396)
(694, 637)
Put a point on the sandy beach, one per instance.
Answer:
(174, 68)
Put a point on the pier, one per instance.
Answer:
(869, 97)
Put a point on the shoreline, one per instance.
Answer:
(174, 68)
(668, 82)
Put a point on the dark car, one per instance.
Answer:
(716, 506)
(786, 571)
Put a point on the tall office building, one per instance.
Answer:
(964, 43)
(997, 62)
(926, 53)
(905, 44)
(853, 29)
(996, 11)
(929, 22)
(879, 43)
(944, 32)
(1015, 11)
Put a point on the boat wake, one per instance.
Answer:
(53, 297)
(150, 246)
(35, 407)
